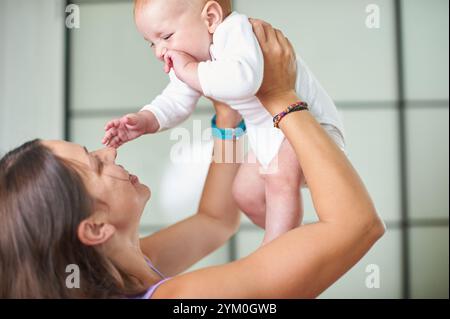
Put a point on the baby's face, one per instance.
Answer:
(174, 25)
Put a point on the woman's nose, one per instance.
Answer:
(108, 154)
(112, 152)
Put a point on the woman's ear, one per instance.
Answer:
(92, 232)
(213, 15)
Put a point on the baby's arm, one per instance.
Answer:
(238, 71)
(175, 104)
(236, 74)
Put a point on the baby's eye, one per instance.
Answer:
(167, 37)
(152, 45)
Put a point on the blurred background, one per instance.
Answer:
(390, 82)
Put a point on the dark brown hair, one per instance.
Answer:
(42, 202)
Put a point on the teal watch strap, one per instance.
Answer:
(228, 134)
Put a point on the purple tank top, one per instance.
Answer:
(149, 293)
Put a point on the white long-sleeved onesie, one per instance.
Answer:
(234, 76)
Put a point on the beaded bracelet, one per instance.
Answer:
(296, 107)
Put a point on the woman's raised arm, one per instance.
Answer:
(176, 248)
(307, 260)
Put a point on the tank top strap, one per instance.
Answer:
(152, 289)
(150, 264)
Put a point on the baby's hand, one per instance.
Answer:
(185, 67)
(126, 129)
(177, 60)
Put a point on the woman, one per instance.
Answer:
(61, 205)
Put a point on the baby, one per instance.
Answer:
(209, 50)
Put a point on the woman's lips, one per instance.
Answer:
(134, 179)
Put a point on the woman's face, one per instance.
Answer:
(120, 197)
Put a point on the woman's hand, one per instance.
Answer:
(280, 65)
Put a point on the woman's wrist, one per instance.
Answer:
(228, 119)
(227, 130)
(277, 103)
(230, 133)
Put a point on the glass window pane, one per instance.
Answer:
(383, 259)
(428, 161)
(426, 52)
(219, 257)
(31, 71)
(429, 262)
(353, 62)
(372, 145)
(248, 241)
(112, 66)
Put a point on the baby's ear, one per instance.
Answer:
(213, 15)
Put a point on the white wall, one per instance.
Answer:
(31, 71)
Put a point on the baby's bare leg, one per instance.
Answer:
(249, 191)
(284, 206)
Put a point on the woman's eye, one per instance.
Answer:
(100, 165)
(167, 37)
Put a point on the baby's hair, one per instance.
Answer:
(225, 4)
